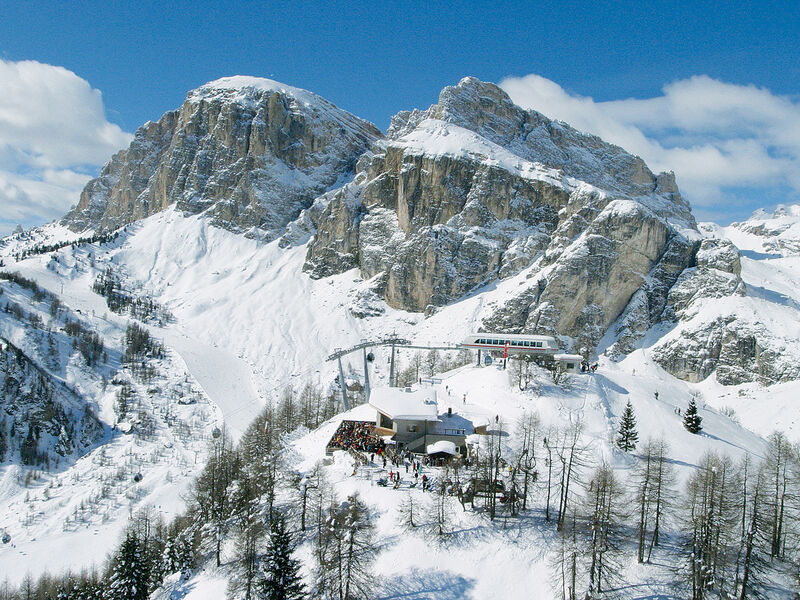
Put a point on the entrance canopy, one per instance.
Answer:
(442, 447)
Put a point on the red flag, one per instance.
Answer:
(505, 350)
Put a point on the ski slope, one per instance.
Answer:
(248, 323)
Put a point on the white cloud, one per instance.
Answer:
(53, 132)
(717, 137)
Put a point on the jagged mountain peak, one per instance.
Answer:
(487, 110)
(249, 91)
(476, 189)
(249, 152)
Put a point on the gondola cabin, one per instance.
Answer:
(516, 343)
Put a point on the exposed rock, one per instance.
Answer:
(456, 197)
(251, 153)
(476, 188)
(110, 200)
(715, 331)
(736, 350)
(719, 254)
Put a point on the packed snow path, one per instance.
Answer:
(225, 379)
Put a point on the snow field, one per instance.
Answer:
(248, 323)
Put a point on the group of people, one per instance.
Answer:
(402, 460)
(586, 367)
(395, 478)
(357, 435)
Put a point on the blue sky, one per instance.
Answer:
(375, 59)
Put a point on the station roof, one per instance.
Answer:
(405, 403)
(568, 357)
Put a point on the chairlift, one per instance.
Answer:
(137, 478)
(370, 357)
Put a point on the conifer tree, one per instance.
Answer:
(627, 436)
(179, 554)
(692, 421)
(281, 573)
(129, 573)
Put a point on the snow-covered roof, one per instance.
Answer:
(568, 357)
(442, 446)
(405, 403)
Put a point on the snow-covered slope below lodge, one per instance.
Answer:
(246, 323)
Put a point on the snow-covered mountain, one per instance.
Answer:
(249, 152)
(259, 227)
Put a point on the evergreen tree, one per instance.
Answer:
(129, 573)
(627, 436)
(179, 554)
(692, 421)
(281, 573)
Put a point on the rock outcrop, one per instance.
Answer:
(251, 153)
(717, 327)
(476, 188)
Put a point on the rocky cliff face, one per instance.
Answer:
(455, 198)
(476, 188)
(250, 153)
(715, 324)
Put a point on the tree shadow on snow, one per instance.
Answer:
(719, 439)
(608, 384)
(431, 584)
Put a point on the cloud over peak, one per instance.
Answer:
(718, 137)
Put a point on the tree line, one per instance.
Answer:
(726, 530)
(98, 238)
(246, 492)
